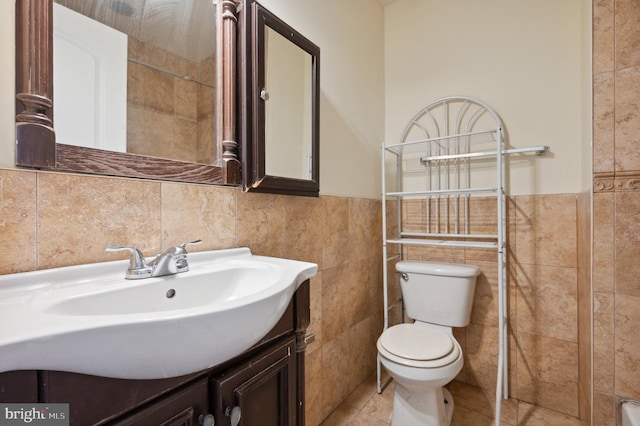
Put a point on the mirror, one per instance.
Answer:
(144, 73)
(281, 118)
(37, 144)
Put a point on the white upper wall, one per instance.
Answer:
(522, 58)
(350, 35)
(586, 174)
(7, 84)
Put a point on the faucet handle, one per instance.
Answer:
(180, 254)
(183, 246)
(138, 267)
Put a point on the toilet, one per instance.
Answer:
(423, 356)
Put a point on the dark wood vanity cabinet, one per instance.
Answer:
(265, 385)
(183, 407)
(262, 391)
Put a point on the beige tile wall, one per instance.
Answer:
(585, 309)
(47, 218)
(51, 219)
(616, 202)
(543, 305)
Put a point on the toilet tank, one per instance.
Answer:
(438, 293)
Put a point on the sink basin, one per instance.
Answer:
(238, 281)
(89, 319)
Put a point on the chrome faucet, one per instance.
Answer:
(170, 262)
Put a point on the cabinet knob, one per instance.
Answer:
(206, 420)
(234, 413)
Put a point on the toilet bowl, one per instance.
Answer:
(420, 398)
(423, 356)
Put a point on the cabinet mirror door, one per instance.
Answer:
(281, 144)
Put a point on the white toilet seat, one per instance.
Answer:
(419, 347)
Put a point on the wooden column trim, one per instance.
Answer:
(302, 312)
(35, 138)
(227, 152)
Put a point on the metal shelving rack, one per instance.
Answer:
(441, 148)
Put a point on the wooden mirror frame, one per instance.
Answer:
(36, 145)
(254, 18)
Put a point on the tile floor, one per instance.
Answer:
(364, 407)
(473, 407)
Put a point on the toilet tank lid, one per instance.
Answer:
(433, 268)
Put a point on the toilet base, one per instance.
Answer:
(424, 408)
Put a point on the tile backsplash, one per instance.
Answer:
(54, 219)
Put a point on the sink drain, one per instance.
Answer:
(171, 293)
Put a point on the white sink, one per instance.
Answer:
(89, 319)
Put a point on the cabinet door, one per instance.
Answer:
(19, 387)
(180, 408)
(96, 400)
(263, 387)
